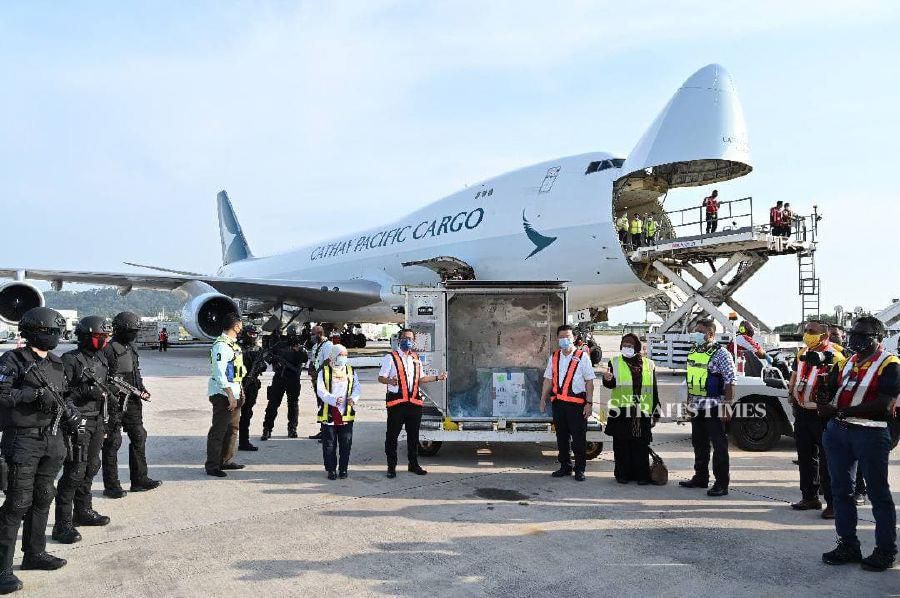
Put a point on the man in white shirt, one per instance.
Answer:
(225, 394)
(337, 387)
(319, 352)
(401, 370)
(569, 382)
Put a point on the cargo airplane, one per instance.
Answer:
(550, 221)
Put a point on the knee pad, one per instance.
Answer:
(43, 496)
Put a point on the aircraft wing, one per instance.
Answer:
(338, 295)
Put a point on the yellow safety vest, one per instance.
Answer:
(348, 414)
(623, 394)
(651, 227)
(622, 223)
(636, 226)
(698, 370)
(235, 371)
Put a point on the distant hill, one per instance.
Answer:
(107, 302)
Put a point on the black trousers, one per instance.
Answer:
(571, 430)
(334, 437)
(251, 392)
(74, 486)
(637, 239)
(707, 428)
(219, 434)
(275, 393)
(808, 429)
(34, 459)
(632, 459)
(399, 416)
(132, 423)
(712, 222)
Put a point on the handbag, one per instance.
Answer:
(659, 473)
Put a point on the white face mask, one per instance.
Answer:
(698, 338)
(628, 352)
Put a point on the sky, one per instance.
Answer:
(121, 121)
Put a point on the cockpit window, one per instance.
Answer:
(618, 162)
(603, 165)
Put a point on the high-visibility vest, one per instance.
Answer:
(406, 394)
(808, 376)
(651, 227)
(622, 223)
(698, 371)
(637, 226)
(348, 414)
(623, 394)
(858, 383)
(235, 370)
(564, 392)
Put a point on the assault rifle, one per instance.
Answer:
(127, 389)
(73, 417)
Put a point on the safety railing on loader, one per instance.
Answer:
(732, 214)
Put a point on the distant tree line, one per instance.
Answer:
(107, 302)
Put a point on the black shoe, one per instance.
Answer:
(316, 436)
(145, 485)
(65, 533)
(828, 512)
(233, 465)
(717, 490)
(342, 475)
(859, 498)
(878, 561)
(693, 483)
(643, 482)
(807, 504)
(416, 469)
(90, 518)
(579, 476)
(216, 473)
(247, 447)
(842, 554)
(622, 480)
(332, 475)
(562, 472)
(114, 492)
(266, 435)
(391, 472)
(42, 561)
(9, 583)
(292, 433)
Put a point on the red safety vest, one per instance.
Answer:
(563, 393)
(406, 394)
(775, 215)
(858, 382)
(712, 204)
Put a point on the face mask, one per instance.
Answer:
(405, 344)
(812, 340)
(565, 343)
(43, 341)
(97, 342)
(340, 361)
(127, 336)
(861, 343)
(698, 338)
(627, 352)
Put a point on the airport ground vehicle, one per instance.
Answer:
(494, 340)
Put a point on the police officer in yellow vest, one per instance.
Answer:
(622, 228)
(338, 390)
(632, 411)
(710, 386)
(225, 395)
(650, 228)
(637, 231)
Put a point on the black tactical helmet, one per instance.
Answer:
(249, 334)
(126, 321)
(42, 319)
(92, 325)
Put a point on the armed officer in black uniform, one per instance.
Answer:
(287, 359)
(255, 365)
(128, 416)
(32, 446)
(86, 373)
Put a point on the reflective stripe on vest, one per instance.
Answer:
(853, 389)
(622, 224)
(563, 393)
(808, 376)
(623, 394)
(698, 371)
(348, 414)
(406, 394)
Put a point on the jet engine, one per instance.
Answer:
(16, 298)
(203, 315)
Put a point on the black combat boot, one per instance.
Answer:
(880, 560)
(842, 554)
(65, 533)
(9, 583)
(292, 433)
(246, 446)
(90, 518)
(267, 433)
(145, 485)
(116, 492)
(42, 561)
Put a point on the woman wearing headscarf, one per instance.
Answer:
(338, 388)
(632, 410)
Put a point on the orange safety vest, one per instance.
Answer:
(563, 393)
(858, 382)
(406, 394)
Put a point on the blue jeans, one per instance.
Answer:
(845, 446)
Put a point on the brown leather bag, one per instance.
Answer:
(659, 473)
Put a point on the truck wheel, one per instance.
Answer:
(593, 450)
(757, 433)
(428, 448)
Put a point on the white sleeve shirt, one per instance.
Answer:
(584, 372)
(389, 369)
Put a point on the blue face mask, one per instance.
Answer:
(405, 344)
(340, 361)
(565, 343)
(698, 338)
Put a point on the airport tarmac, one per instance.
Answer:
(487, 520)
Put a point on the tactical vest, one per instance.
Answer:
(348, 414)
(126, 361)
(85, 395)
(564, 392)
(13, 367)
(623, 394)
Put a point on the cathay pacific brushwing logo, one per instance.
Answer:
(540, 241)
